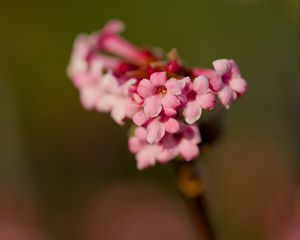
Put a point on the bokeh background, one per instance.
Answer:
(66, 173)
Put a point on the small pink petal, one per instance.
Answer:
(125, 87)
(82, 79)
(109, 83)
(131, 108)
(235, 70)
(206, 101)
(146, 88)
(169, 150)
(140, 133)
(152, 106)
(140, 118)
(238, 85)
(96, 67)
(104, 102)
(225, 96)
(195, 136)
(88, 97)
(192, 112)
(175, 86)
(170, 103)
(170, 112)
(172, 125)
(200, 84)
(158, 78)
(222, 66)
(155, 131)
(137, 98)
(146, 157)
(118, 113)
(216, 83)
(188, 150)
(134, 144)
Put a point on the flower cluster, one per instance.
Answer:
(163, 98)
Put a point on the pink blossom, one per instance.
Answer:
(88, 84)
(160, 94)
(114, 97)
(86, 49)
(156, 127)
(78, 62)
(234, 84)
(198, 98)
(215, 81)
(184, 142)
(131, 83)
(146, 153)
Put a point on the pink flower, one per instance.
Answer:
(115, 76)
(156, 127)
(215, 81)
(184, 142)
(234, 84)
(78, 62)
(85, 49)
(146, 153)
(114, 97)
(88, 84)
(160, 94)
(198, 98)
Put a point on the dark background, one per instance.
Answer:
(66, 173)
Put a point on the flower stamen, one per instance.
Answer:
(162, 90)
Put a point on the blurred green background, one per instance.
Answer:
(59, 163)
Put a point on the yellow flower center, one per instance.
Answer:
(162, 90)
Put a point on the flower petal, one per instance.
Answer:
(188, 150)
(172, 125)
(146, 88)
(134, 144)
(222, 66)
(140, 118)
(216, 83)
(201, 84)
(235, 70)
(206, 101)
(118, 113)
(226, 96)
(175, 86)
(109, 83)
(146, 157)
(105, 102)
(169, 150)
(82, 80)
(96, 68)
(155, 131)
(192, 112)
(88, 97)
(192, 133)
(141, 133)
(239, 85)
(158, 78)
(131, 108)
(170, 103)
(152, 106)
